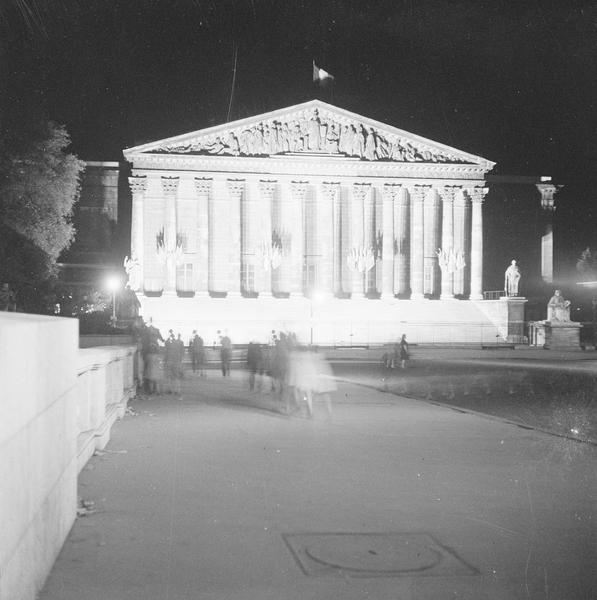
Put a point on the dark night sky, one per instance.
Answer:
(511, 80)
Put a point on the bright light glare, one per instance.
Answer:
(113, 283)
(317, 296)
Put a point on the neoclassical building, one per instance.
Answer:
(313, 219)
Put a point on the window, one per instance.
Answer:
(247, 278)
(184, 277)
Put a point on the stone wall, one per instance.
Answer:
(58, 404)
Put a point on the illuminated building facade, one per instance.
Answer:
(316, 220)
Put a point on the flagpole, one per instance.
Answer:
(233, 82)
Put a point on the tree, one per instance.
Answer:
(39, 184)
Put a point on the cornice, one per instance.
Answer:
(327, 167)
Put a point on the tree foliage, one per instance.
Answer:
(39, 184)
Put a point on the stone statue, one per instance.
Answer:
(133, 270)
(511, 279)
(558, 309)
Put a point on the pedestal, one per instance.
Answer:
(555, 335)
(515, 317)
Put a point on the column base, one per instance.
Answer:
(201, 294)
(446, 297)
(357, 295)
(417, 296)
(235, 294)
(265, 294)
(387, 296)
(296, 295)
(476, 297)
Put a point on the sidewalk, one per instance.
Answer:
(216, 495)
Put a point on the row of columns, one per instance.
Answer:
(424, 240)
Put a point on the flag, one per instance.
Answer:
(321, 76)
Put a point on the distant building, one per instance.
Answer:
(94, 251)
(340, 228)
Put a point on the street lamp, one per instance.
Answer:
(113, 285)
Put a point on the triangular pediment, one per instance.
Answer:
(313, 128)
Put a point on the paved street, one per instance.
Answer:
(217, 495)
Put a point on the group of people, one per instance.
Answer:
(297, 374)
(294, 373)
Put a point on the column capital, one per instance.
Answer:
(170, 185)
(360, 190)
(138, 184)
(449, 192)
(547, 191)
(267, 187)
(299, 189)
(330, 189)
(477, 194)
(236, 187)
(391, 190)
(203, 185)
(419, 191)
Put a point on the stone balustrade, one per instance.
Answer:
(58, 405)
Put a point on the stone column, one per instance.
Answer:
(172, 249)
(299, 191)
(337, 234)
(357, 238)
(328, 241)
(547, 191)
(205, 238)
(431, 242)
(389, 195)
(138, 187)
(236, 187)
(369, 236)
(265, 269)
(401, 243)
(477, 196)
(461, 213)
(282, 232)
(418, 193)
(447, 244)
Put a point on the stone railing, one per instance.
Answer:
(58, 404)
(105, 383)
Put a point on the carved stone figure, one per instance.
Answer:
(370, 146)
(133, 270)
(558, 309)
(332, 140)
(511, 279)
(314, 132)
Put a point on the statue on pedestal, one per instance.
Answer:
(511, 279)
(558, 309)
(133, 270)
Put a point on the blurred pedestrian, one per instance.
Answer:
(279, 364)
(310, 377)
(254, 363)
(150, 350)
(174, 353)
(225, 354)
(197, 352)
(403, 348)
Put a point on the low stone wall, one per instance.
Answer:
(105, 383)
(58, 403)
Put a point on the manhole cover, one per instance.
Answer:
(374, 555)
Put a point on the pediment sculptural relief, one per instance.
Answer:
(310, 131)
